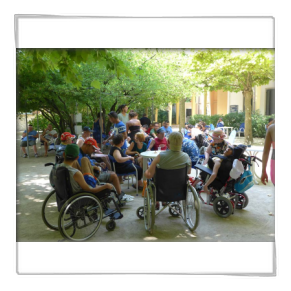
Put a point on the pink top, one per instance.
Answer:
(160, 143)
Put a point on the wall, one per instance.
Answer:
(236, 99)
(221, 102)
(264, 88)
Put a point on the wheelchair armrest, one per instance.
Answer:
(48, 164)
(204, 169)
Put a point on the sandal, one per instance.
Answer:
(139, 187)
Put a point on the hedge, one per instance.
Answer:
(235, 119)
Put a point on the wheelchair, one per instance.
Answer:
(78, 216)
(223, 196)
(172, 187)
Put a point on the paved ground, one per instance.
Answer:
(255, 223)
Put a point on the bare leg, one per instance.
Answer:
(86, 166)
(106, 161)
(34, 149)
(23, 150)
(76, 165)
(140, 161)
(114, 180)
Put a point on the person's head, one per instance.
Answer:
(144, 115)
(113, 117)
(86, 131)
(30, 128)
(139, 137)
(89, 146)
(67, 137)
(203, 124)
(145, 127)
(175, 141)
(156, 126)
(190, 126)
(123, 108)
(160, 133)
(50, 127)
(199, 126)
(118, 140)
(151, 126)
(219, 119)
(166, 123)
(132, 115)
(271, 119)
(71, 152)
(228, 151)
(99, 115)
(218, 135)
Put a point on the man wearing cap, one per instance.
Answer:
(47, 137)
(66, 138)
(32, 136)
(82, 178)
(86, 133)
(172, 159)
(88, 148)
(159, 142)
(119, 128)
(218, 146)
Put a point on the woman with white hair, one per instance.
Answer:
(171, 159)
(218, 146)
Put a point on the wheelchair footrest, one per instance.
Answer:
(117, 215)
(109, 211)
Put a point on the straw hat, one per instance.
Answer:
(218, 134)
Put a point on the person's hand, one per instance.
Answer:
(108, 186)
(131, 159)
(104, 141)
(264, 177)
(205, 189)
(103, 165)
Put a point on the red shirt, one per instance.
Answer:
(162, 143)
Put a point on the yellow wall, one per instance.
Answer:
(221, 102)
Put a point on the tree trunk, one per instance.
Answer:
(182, 114)
(248, 94)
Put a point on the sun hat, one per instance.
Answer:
(175, 141)
(65, 135)
(91, 141)
(87, 128)
(160, 130)
(71, 151)
(218, 134)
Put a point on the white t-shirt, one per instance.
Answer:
(80, 141)
(195, 132)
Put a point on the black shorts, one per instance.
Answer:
(30, 143)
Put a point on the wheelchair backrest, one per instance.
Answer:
(171, 185)
(62, 186)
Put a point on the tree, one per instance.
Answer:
(234, 71)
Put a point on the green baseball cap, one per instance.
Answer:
(72, 151)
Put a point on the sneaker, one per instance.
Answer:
(128, 196)
(125, 199)
(36, 155)
(24, 156)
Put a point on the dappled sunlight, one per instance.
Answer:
(38, 182)
(27, 213)
(271, 234)
(18, 213)
(208, 237)
(150, 238)
(38, 200)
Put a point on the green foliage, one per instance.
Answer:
(235, 120)
(42, 122)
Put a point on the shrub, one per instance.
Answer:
(235, 119)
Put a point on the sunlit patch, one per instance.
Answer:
(38, 200)
(207, 237)
(218, 235)
(37, 182)
(17, 201)
(271, 234)
(149, 238)
(29, 197)
(18, 213)
(27, 213)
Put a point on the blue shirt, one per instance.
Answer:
(81, 155)
(189, 147)
(167, 130)
(30, 134)
(120, 128)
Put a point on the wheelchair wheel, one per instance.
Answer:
(83, 213)
(139, 212)
(222, 207)
(175, 209)
(192, 208)
(149, 209)
(110, 225)
(243, 201)
(49, 211)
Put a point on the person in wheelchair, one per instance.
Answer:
(221, 167)
(174, 158)
(66, 138)
(84, 179)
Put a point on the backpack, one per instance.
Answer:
(52, 176)
(245, 182)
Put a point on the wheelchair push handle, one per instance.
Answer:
(48, 164)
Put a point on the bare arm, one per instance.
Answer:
(207, 154)
(216, 167)
(151, 145)
(129, 149)
(119, 159)
(79, 178)
(149, 173)
(267, 146)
